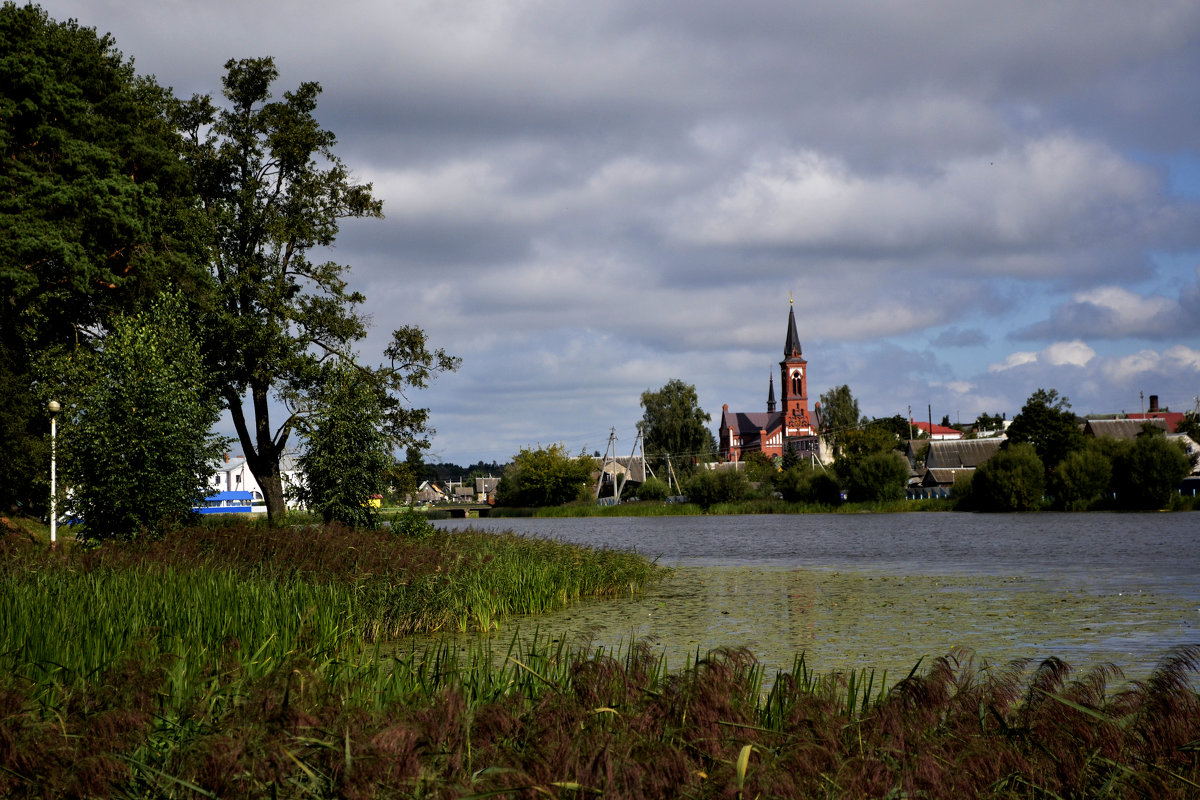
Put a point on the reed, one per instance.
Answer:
(543, 719)
(260, 596)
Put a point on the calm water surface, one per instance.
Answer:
(886, 590)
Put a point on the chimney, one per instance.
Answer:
(1153, 404)
(227, 458)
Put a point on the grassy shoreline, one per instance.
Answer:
(256, 662)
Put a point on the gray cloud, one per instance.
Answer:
(585, 200)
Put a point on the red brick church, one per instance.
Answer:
(770, 431)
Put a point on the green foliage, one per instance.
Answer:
(94, 211)
(791, 457)
(963, 489)
(1190, 425)
(875, 477)
(1046, 422)
(546, 476)
(653, 489)
(839, 415)
(759, 468)
(989, 422)
(674, 424)
(900, 428)
(1147, 471)
(873, 438)
(1011, 480)
(273, 190)
(806, 483)
(708, 487)
(413, 524)
(347, 454)
(137, 452)
(1082, 478)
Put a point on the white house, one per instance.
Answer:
(234, 475)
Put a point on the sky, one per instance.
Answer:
(967, 201)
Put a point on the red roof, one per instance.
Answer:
(936, 430)
(1172, 418)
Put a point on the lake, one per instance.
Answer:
(888, 590)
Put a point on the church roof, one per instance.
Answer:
(792, 346)
(749, 423)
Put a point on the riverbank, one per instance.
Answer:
(757, 506)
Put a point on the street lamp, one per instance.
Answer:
(52, 408)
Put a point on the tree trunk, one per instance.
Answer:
(272, 486)
(262, 452)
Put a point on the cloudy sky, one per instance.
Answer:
(967, 200)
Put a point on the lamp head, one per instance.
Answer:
(53, 407)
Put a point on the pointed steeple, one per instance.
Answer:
(792, 346)
(771, 395)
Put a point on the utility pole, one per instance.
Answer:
(611, 448)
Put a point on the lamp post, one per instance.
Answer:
(52, 408)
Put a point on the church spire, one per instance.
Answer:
(771, 395)
(792, 346)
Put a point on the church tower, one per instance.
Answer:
(794, 381)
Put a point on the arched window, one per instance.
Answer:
(796, 383)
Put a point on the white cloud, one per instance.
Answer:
(1014, 360)
(1075, 354)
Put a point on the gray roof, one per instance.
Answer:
(749, 423)
(959, 453)
(943, 477)
(1119, 428)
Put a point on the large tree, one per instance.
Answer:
(274, 193)
(94, 208)
(673, 424)
(1046, 422)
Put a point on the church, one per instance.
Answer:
(770, 432)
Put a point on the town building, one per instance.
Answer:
(783, 425)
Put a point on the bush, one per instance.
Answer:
(348, 453)
(708, 487)
(1146, 473)
(544, 477)
(413, 524)
(805, 483)
(1081, 478)
(653, 489)
(1012, 480)
(873, 478)
(138, 453)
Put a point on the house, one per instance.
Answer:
(936, 432)
(790, 425)
(485, 489)
(430, 492)
(948, 459)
